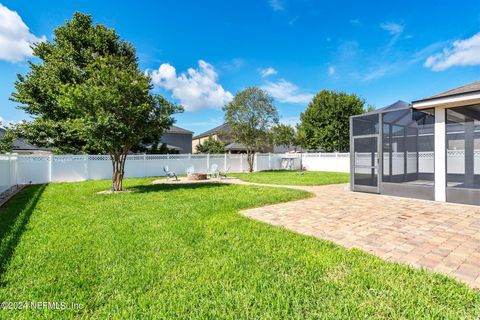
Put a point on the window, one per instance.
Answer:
(365, 125)
(463, 147)
(408, 146)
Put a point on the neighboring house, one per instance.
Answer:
(175, 138)
(178, 139)
(23, 147)
(222, 134)
(429, 149)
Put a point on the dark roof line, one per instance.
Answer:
(175, 129)
(235, 146)
(470, 88)
(211, 131)
(21, 144)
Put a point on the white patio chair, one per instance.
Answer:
(169, 173)
(213, 172)
(224, 173)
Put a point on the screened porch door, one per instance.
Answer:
(365, 164)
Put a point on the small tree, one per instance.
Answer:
(301, 141)
(283, 135)
(250, 116)
(210, 145)
(6, 140)
(88, 94)
(325, 122)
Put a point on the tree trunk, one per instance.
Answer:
(118, 166)
(250, 160)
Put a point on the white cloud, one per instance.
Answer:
(6, 123)
(379, 72)
(331, 71)
(277, 5)
(293, 20)
(196, 89)
(15, 37)
(268, 72)
(393, 28)
(461, 53)
(292, 121)
(285, 91)
(355, 22)
(234, 64)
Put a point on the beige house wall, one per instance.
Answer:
(196, 142)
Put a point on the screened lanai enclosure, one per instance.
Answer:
(392, 151)
(429, 149)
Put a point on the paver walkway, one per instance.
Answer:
(441, 237)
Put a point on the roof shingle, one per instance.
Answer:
(175, 129)
(21, 144)
(468, 88)
(210, 132)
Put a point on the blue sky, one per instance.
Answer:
(201, 52)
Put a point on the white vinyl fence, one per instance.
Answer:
(8, 172)
(25, 169)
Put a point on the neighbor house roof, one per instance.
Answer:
(213, 131)
(175, 129)
(22, 145)
(468, 88)
(235, 146)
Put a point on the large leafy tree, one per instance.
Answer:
(211, 145)
(251, 115)
(87, 94)
(325, 122)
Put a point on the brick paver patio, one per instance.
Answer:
(438, 236)
(441, 237)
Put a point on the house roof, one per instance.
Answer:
(399, 104)
(169, 146)
(235, 146)
(210, 132)
(21, 144)
(468, 88)
(175, 129)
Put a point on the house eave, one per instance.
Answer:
(458, 100)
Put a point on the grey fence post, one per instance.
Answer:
(144, 165)
(224, 162)
(269, 161)
(208, 161)
(85, 166)
(50, 164)
(336, 161)
(16, 169)
(10, 171)
(241, 162)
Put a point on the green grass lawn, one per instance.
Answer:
(294, 178)
(184, 251)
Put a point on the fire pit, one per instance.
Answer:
(197, 176)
